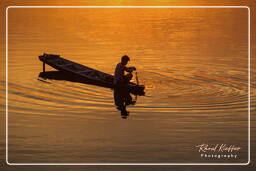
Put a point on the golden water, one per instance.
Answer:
(193, 62)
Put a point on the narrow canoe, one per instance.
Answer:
(83, 72)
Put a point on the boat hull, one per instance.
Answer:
(85, 74)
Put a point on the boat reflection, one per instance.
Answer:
(60, 75)
(122, 96)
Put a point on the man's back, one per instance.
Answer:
(119, 73)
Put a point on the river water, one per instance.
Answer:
(193, 62)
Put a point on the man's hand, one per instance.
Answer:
(130, 69)
(133, 68)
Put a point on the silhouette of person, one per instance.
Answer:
(122, 95)
(120, 79)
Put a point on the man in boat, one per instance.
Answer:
(121, 93)
(120, 78)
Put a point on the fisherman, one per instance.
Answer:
(120, 78)
(121, 93)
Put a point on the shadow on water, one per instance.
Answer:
(122, 96)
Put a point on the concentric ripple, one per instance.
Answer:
(172, 91)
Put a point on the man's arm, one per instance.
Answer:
(130, 69)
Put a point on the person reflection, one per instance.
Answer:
(123, 98)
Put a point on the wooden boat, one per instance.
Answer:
(89, 75)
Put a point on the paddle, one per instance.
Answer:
(137, 82)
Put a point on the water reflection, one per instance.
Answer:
(122, 95)
(60, 75)
(123, 98)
